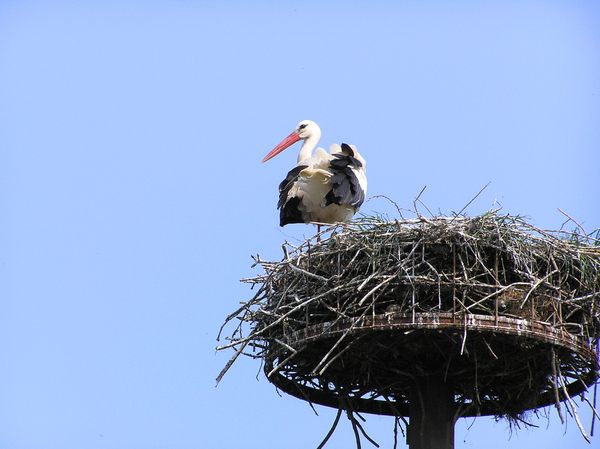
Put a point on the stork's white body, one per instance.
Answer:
(323, 187)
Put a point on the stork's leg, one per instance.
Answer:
(318, 232)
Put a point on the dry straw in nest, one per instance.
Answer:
(506, 313)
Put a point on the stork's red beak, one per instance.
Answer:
(289, 140)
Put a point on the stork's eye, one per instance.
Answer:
(301, 127)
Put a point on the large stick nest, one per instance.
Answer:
(505, 312)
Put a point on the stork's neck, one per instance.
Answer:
(308, 146)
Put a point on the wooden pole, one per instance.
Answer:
(431, 414)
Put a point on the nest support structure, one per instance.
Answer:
(505, 315)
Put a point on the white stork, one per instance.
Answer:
(324, 187)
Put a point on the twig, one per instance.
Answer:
(555, 385)
(339, 354)
(231, 360)
(464, 338)
(473, 199)
(595, 392)
(594, 411)
(391, 201)
(334, 425)
(490, 349)
(573, 407)
(497, 292)
(374, 289)
(536, 285)
(337, 343)
(356, 426)
(308, 273)
(417, 200)
(571, 219)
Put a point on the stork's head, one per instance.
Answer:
(306, 129)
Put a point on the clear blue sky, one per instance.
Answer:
(132, 193)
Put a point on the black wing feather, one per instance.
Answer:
(345, 189)
(289, 210)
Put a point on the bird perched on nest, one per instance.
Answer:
(323, 187)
